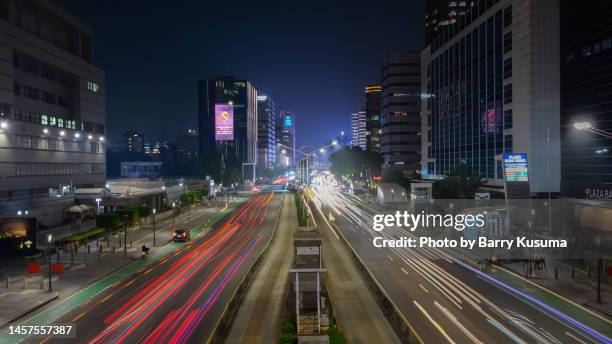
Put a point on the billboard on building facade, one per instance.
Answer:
(224, 122)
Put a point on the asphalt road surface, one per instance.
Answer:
(444, 299)
(179, 298)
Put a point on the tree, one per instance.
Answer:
(461, 183)
(351, 161)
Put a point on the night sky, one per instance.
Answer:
(312, 57)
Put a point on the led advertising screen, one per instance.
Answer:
(515, 167)
(224, 122)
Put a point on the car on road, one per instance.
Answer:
(181, 234)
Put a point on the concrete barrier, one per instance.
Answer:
(404, 330)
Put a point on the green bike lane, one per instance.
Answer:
(53, 313)
(548, 297)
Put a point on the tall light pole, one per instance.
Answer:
(154, 211)
(173, 216)
(125, 225)
(49, 239)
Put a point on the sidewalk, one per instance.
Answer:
(85, 275)
(259, 316)
(564, 295)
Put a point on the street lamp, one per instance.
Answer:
(154, 211)
(322, 150)
(49, 239)
(587, 126)
(173, 215)
(125, 225)
(334, 142)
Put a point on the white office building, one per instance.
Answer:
(52, 111)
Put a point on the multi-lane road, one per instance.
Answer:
(180, 297)
(444, 299)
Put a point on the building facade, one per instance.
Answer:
(492, 87)
(400, 142)
(441, 13)
(133, 141)
(266, 131)
(240, 96)
(187, 146)
(358, 129)
(52, 110)
(586, 74)
(285, 135)
(372, 113)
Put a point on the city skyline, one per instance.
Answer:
(310, 32)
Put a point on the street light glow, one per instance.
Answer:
(62, 133)
(322, 150)
(334, 142)
(3, 125)
(583, 125)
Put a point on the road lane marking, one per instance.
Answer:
(44, 340)
(404, 271)
(130, 282)
(575, 338)
(390, 258)
(79, 316)
(433, 322)
(424, 289)
(453, 319)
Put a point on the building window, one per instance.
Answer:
(508, 94)
(507, 68)
(47, 72)
(61, 101)
(48, 97)
(507, 16)
(508, 42)
(93, 87)
(508, 119)
(31, 92)
(44, 120)
(507, 143)
(16, 88)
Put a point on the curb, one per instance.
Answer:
(226, 320)
(29, 308)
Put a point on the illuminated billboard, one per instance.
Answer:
(224, 122)
(515, 167)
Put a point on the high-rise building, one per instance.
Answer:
(134, 141)
(52, 110)
(586, 71)
(372, 114)
(401, 122)
(228, 119)
(441, 13)
(266, 131)
(285, 135)
(358, 129)
(492, 87)
(187, 146)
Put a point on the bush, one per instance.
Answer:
(108, 220)
(132, 214)
(143, 211)
(301, 211)
(288, 326)
(286, 338)
(335, 336)
(85, 235)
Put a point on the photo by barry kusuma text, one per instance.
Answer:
(490, 229)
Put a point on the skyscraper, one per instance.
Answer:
(358, 129)
(266, 131)
(401, 121)
(285, 135)
(52, 110)
(187, 146)
(586, 69)
(372, 114)
(133, 141)
(441, 13)
(492, 82)
(228, 119)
